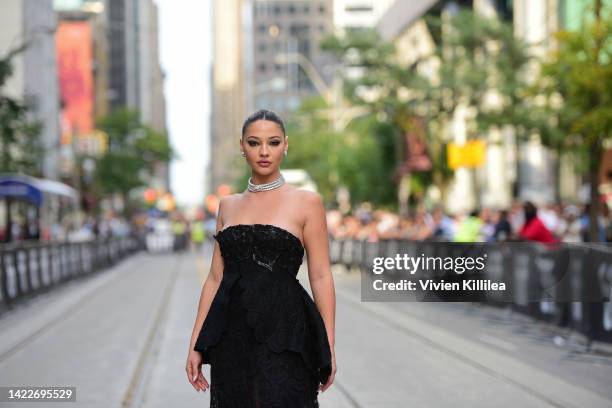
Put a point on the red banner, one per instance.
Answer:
(74, 53)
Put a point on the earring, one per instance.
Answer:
(285, 152)
(243, 154)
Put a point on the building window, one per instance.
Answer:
(358, 8)
(321, 9)
(261, 9)
(505, 9)
(307, 9)
(277, 10)
(291, 9)
(262, 29)
(262, 67)
(262, 47)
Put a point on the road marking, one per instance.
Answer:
(135, 391)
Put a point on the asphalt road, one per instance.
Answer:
(121, 338)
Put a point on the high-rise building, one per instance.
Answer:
(135, 75)
(152, 100)
(266, 54)
(228, 106)
(34, 76)
(116, 31)
(149, 94)
(134, 49)
(123, 38)
(288, 63)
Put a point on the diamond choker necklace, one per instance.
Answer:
(266, 186)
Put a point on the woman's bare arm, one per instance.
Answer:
(316, 242)
(211, 285)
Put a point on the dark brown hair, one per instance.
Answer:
(263, 114)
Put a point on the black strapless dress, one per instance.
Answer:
(263, 336)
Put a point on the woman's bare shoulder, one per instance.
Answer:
(310, 202)
(228, 201)
(312, 197)
(231, 198)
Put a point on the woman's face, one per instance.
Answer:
(264, 144)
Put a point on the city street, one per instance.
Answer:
(121, 337)
(444, 149)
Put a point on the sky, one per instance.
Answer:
(185, 53)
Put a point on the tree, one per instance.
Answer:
(485, 67)
(577, 84)
(391, 94)
(20, 144)
(133, 150)
(477, 63)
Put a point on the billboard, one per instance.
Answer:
(74, 53)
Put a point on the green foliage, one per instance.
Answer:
(362, 157)
(21, 149)
(577, 85)
(376, 58)
(482, 65)
(367, 161)
(133, 150)
(478, 58)
(577, 80)
(392, 92)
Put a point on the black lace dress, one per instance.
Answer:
(263, 336)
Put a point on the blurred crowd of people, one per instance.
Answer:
(69, 229)
(524, 221)
(178, 233)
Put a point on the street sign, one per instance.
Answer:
(471, 154)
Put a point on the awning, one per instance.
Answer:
(21, 186)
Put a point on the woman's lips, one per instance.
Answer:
(264, 163)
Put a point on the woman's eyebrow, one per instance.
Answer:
(257, 137)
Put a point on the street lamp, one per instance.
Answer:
(333, 97)
(308, 67)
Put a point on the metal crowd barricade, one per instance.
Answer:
(570, 286)
(28, 268)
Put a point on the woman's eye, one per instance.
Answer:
(251, 143)
(275, 143)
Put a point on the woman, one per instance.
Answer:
(267, 342)
(534, 229)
